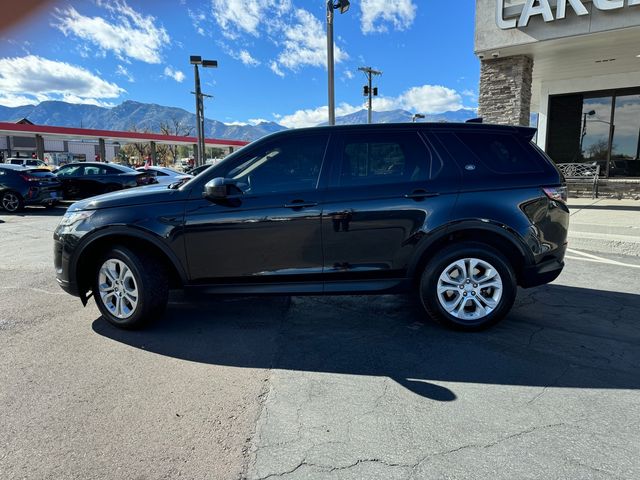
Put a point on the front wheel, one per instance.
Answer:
(130, 288)
(468, 286)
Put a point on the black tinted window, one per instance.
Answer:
(285, 165)
(378, 159)
(501, 153)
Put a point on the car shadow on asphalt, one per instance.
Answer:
(556, 336)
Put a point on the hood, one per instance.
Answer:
(129, 197)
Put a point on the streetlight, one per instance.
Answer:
(612, 129)
(417, 116)
(196, 60)
(343, 6)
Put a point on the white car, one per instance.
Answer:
(165, 175)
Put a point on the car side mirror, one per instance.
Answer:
(221, 189)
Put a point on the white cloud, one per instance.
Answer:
(129, 34)
(38, 79)
(349, 74)
(197, 19)
(376, 14)
(236, 17)
(123, 72)
(298, 34)
(315, 116)
(246, 58)
(276, 69)
(427, 99)
(305, 43)
(430, 99)
(177, 75)
(11, 100)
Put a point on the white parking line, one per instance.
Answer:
(587, 257)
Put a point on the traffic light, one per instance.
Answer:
(375, 91)
(366, 90)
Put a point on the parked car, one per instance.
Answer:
(20, 186)
(459, 213)
(28, 162)
(165, 175)
(198, 170)
(87, 179)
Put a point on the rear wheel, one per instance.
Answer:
(11, 201)
(468, 286)
(130, 288)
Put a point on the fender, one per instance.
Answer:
(129, 231)
(441, 233)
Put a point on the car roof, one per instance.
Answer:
(122, 168)
(421, 126)
(9, 166)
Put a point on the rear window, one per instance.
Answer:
(501, 153)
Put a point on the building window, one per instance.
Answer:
(602, 127)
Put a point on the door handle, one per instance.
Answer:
(299, 204)
(420, 194)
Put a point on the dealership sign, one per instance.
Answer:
(509, 17)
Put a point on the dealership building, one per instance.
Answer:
(572, 67)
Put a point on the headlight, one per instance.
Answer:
(71, 218)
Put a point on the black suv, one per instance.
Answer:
(459, 213)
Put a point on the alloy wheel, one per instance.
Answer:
(10, 202)
(118, 288)
(469, 289)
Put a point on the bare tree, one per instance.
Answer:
(177, 128)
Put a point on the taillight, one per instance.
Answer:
(29, 178)
(558, 194)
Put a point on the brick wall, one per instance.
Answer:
(505, 90)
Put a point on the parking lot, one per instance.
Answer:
(319, 387)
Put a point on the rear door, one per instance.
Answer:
(386, 191)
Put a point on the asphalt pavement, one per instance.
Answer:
(320, 387)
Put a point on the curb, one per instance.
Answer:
(605, 243)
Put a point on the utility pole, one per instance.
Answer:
(369, 89)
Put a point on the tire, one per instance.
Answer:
(11, 201)
(130, 288)
(476, 305)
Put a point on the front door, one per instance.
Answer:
(272, 231)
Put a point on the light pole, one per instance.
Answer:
(369, 90)
(196, 60)
(417, 116)
(343, 6)
(612, 129)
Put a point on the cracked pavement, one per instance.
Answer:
(320, 387)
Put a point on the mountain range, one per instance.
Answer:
(131, 115)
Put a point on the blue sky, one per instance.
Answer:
(271, 54)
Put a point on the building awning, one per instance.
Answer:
(66, 133)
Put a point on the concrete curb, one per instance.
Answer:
(605, 243)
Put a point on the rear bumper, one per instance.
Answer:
(544, 272)
(44, 197)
